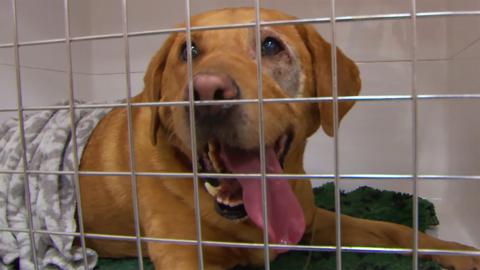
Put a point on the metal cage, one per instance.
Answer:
(333, 20)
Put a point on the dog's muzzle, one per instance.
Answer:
(213, 87)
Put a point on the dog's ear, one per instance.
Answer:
(349, 82)
(153, 83)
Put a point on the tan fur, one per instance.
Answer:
(161, 144)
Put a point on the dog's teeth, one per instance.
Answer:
(211, 189)
(214, 162)
(227, 201)
(235, 203)
(213, 157)
(223, 201)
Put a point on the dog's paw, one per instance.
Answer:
(459, 262)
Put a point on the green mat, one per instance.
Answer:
(364, 202)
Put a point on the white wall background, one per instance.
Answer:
(375, 136)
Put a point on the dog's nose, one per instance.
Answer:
(208, 86)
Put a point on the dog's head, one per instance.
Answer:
(296, 62)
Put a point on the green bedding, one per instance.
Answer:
(364, 202)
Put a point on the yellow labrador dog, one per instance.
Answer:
(295, 63)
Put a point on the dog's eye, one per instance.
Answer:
(271, 46)
(183, 53)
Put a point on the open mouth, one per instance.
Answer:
(241, 198)
(221, 158)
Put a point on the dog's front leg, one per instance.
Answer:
(162, 215)
(176, 256)
(362, 232)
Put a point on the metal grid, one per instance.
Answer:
(133, 173)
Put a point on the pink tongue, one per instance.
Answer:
(286, 223)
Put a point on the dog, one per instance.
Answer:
(296, 62)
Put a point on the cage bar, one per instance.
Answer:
(373, 17)
(71, 105)
(193, 137)
(317, 248)
(131, 150)
(414, 107)
(336, 159)
(252, 101)
(326, 177)
(21, 128)
(261, 134)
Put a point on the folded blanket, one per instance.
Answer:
(53, 202)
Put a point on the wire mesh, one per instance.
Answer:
(191, 103)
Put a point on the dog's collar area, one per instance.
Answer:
(228, 192)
